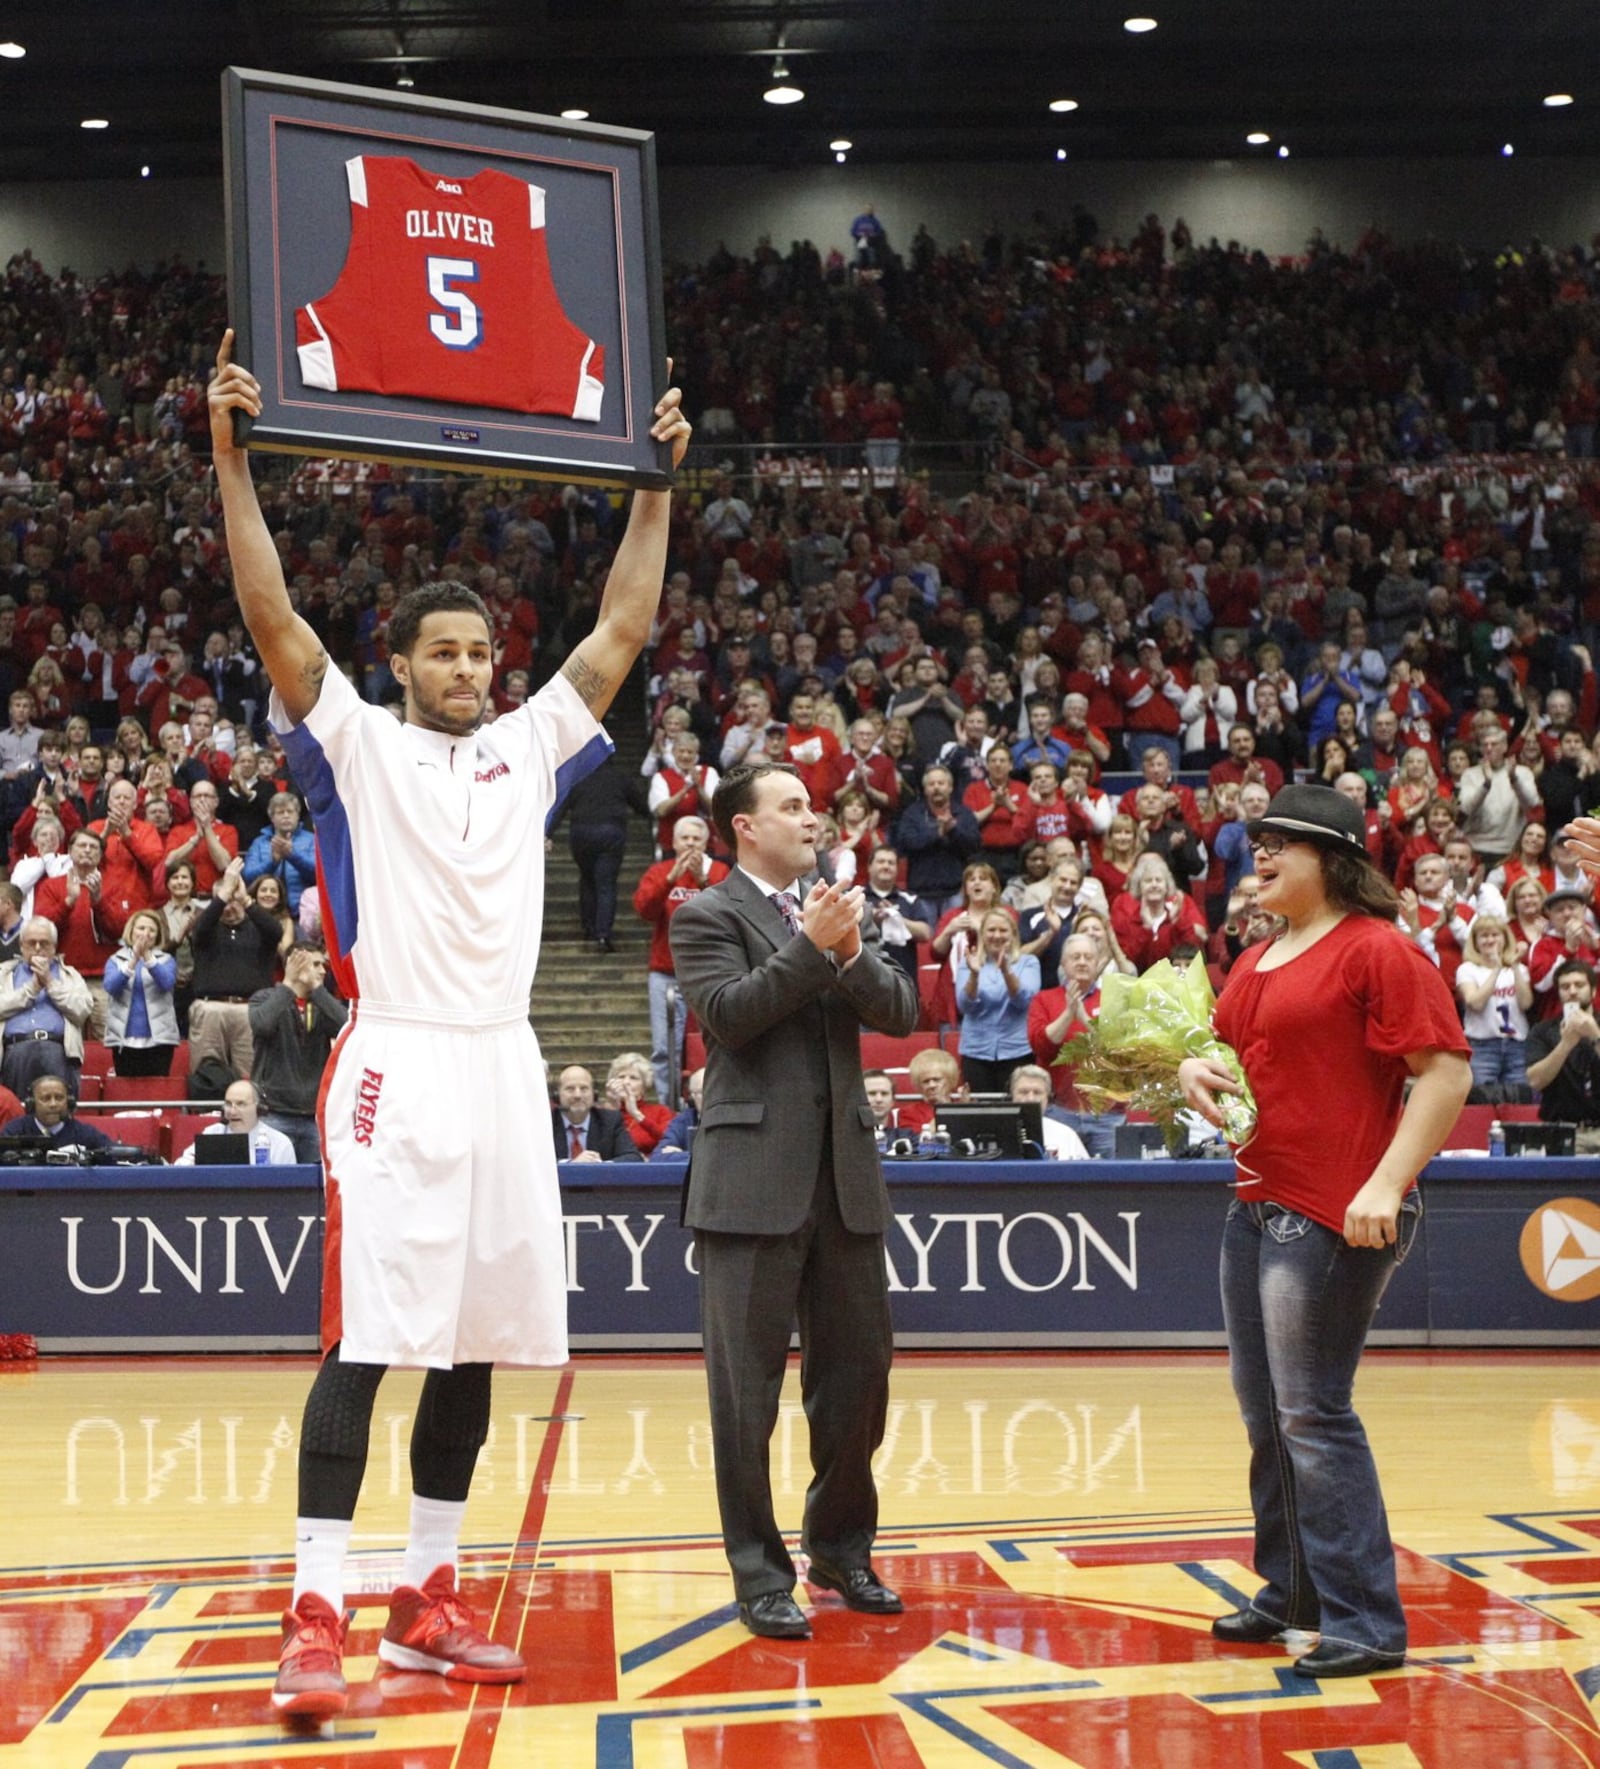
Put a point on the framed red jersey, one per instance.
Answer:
(416, 279)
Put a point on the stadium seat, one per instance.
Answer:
(185, 1127)
(142, 1130)
(151, 1087)
(1472, 1127)
(879, 1050)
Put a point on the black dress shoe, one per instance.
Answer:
(859, 1586)
(605, 945)
(1329, 1660)
(1249, 1627)
(775, 1615)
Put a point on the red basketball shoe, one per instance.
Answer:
(433, 1630)
(311, 1661)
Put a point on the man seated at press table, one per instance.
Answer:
(241, 1116)
(1031, 1084)
(678, 1135)
(584, 1131)
(50, 1120)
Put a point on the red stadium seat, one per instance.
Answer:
(96, 1057)
(186, 1126)
(152, 1087)
(881, 1051)
(1472, 1127)
(141, 1130)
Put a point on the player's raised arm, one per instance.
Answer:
(599, 663)
(292, 653)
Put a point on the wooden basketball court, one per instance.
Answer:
(1063, 1526)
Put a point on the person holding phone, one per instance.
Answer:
(1564, 1057)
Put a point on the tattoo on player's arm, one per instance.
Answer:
(311, 674)
(589, 682)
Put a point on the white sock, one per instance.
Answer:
(435, 1533)
(319, 1551)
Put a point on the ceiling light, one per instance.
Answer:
(94, 123)
(1061, 153)
(144, 171)
(780, 91)
(1555, 101)
(12, 51)
(1063, 104)
(841, 146)
(1508, 150)
(1283, 153)
(576, 116)
(1258, 138)
(1138, 26)
(839, 157)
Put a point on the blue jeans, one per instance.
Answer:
(1097, 1131)
(661, 983)
(1499, 1062)
(1298, 1301)
(302, 1132)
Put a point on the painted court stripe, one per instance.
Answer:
(489, 1701)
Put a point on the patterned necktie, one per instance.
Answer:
(577, 1142)
(788, 910)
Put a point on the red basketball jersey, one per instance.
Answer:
(446, 294)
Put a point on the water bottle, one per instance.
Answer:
(1497, 1140)
(258, 1154)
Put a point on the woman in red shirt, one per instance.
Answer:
(1329, 1019)
(629, 1077)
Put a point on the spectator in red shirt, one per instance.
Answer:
(664, 889)
(1242, 763)
(1152, 914)
(1003, 810)
(813, 751)
(203, 842)
(72, 903)
(683, 787)
(133, 866)
(644, 1120)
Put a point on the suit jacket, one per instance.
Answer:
(783, 1064)
(608, 1136)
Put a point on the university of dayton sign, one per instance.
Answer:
(206, 1260)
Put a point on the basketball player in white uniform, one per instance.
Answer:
(443, 1247)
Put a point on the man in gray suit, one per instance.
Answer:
(785, 1193)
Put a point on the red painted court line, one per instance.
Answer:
(483, 1723)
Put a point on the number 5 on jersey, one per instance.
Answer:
(465, 330)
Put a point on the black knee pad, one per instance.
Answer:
(453, 1414)
(338, 1415)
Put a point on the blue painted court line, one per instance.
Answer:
(702, 1625)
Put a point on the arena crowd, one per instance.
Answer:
(1045, 559)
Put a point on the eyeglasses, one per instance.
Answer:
(1270, 845)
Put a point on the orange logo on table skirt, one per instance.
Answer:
(1560, 1249)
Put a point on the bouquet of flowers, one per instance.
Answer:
(1146, 1027)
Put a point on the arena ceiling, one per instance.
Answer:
(903, 80)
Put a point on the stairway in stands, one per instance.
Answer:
(587, 1006)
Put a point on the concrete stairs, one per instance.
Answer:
(588, 1006)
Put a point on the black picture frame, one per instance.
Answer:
(289, 146)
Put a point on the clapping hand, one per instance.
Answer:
(830, 918)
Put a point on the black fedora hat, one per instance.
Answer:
(1314, 814)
